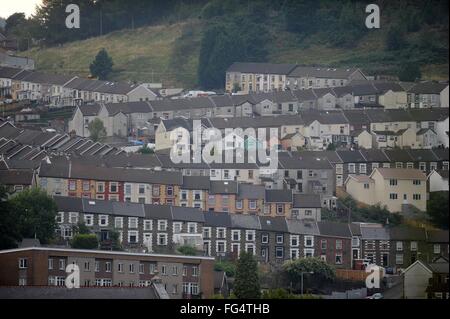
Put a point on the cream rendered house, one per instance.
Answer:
(396, 188)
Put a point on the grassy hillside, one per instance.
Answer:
(169, 53)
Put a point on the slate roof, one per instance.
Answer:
(351, 156)
(407, 233)
(245, 221)
(16, 177)
(261, 68)
(214, 219)
(278, 196)
(437, 236)
(187, 214)
(275, 224)
(402, 173)
(333, 229)
(250, 191)
(89, 110)
(374, 233)
(195, 182)
(322, 72)
(223, 187)
(306, 201)
(428, 87)
(302, 227)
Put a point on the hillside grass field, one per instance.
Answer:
(169, 54)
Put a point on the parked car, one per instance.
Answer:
(375, 296)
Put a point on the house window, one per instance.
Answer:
(399, 246)
(220, 232)
(362, 168)
(280, 238)
(323, 244)
(100, 187)
(60, 218)
(309, 241)
(192, 228)
(220, 246)
(399, 259)
(239, 204)
(118, 222)
(338, 244)
(169, 190)
(162, 239)
(294, 240)
(279, 252)
(351, 168)
(133, 236)
(206, 232)
(113, 187)
(393, 196)
(73, 218)
(23, 263)
(148, 224)
(338, 258)
(417, 196)
(72, 185)
(264, 238)
(162, 225)
(413, 246)
(417, 182)
(103, 220)
(436, 248)
(252, 204)
(236, 235)
(89, 220)
(280, 209)
(62, 264)
(50, 263)
(250, 235)
(132, 222)
(393, 182)
(141, 189)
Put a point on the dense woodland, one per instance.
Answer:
(244, 30)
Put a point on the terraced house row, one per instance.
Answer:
(72, 178)
(66, 90)
(161, 228)
(316, 130)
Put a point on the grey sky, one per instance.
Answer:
(8, 7)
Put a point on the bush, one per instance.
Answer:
(187, 250)
(85, 241)
(227, 266)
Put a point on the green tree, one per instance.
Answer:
(9, 230)
(409, 72)
(437, 209)
(187, 250)
(114, 236)
(102, 65)
(146, 150)
(227, 266)
(322, 272)
(81, 228)
(35, 214)
(85, 241)
(246, 284)
(395, 39)
(97, 130)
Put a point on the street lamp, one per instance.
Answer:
(301, 276)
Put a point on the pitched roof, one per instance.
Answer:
(401, 173)
(16, 177)
(437, 236)
(322, 72)
(89, 110)
(374, 233)
(187, 214)
(334, 229)
(214, 219)
(306, 201)
(195, 182)
(223, 187)
(245, 221)
(302, 227)
(428, 87)
(407, 233)
(251, 191)
(278, 196)
(261, 68)
(276, 224)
